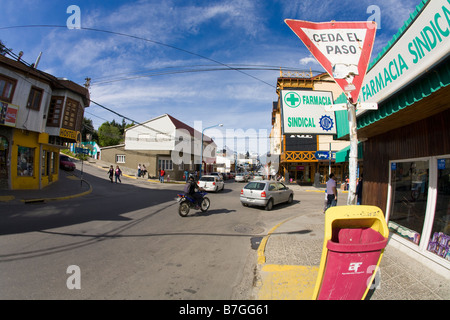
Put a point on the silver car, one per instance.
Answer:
(266, 194)
(241, 177)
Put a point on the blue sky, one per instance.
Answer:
(143, 79)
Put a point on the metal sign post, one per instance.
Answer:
(353, 157)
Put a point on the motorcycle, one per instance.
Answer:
(187, 203)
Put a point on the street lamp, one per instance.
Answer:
(201, 161)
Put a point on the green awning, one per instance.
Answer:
(343, 155)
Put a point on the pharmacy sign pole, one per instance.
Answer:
(343, 49)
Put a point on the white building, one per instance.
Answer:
(163, 143)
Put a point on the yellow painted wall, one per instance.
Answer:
(24, 139)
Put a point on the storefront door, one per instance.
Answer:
(4, 168)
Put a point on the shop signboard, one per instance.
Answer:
(8, 114)
(325, 155)
(303, 112)
(425, 43)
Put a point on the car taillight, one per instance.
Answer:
(242, 191)
(198, 182)
(263, 194)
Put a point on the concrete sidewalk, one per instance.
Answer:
(68, 186)
(289, 259)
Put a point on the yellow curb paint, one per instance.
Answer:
(262, 245)
(287, 282)
(284, 282)
(6, 198)
(62, 198)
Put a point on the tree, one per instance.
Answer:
(88, 129)
(109, 134)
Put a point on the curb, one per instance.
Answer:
(262, 246)
(60, 198)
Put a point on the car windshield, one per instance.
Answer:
(255, 186)
(207, 179)
(65, 158)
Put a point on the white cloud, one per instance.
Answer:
(308, 60)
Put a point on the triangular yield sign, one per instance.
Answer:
(342, 48)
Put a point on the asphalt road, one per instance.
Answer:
(127, 241)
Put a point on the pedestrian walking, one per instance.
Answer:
(161, 175)
(331, 192)
(111, 173)
(118, 173)
(139, 170)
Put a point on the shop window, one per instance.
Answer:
(440, 233)
(409, 183)
(7, 87)
(25, 162)
(35, 98)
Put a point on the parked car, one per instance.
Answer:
(266, 194)
(66, 163)
(257, 177)
(211, 183)
(241, 177)
(218, 174)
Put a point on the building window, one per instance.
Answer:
(165, 164)
(25, 162)
(7, 87)
(70, 114)
(54, 111)
(120, 158)
(35, 98)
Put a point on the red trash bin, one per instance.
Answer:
(352, 257)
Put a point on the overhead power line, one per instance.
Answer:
(142, 39)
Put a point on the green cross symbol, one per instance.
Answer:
(292, 99)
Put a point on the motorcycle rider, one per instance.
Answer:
(190, 190)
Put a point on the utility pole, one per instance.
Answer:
(353, 157)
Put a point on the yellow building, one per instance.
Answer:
(299, 160)
(39, 114)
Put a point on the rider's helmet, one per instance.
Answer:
(191, 177)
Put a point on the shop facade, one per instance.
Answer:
(39, 114)
(405, 143)
(304, 138)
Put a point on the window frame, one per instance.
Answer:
(70, 114)
(120, 157)
(13, 83)
(32, 96)
(51, 111)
